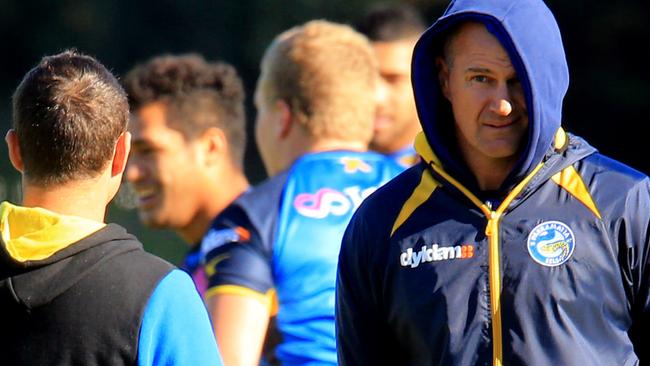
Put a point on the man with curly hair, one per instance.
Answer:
(186, 163)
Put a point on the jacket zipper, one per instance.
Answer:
(494, 260)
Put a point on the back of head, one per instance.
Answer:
(391, 22)
(198, 95)
(68, 113)
(327, 74)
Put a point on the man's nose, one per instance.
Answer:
(382, 92)
(503, 107)
(502, 102)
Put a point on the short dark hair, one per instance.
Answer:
(197, 94)
(68, 113)
(391, 22)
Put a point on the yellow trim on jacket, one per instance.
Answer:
(34, 233)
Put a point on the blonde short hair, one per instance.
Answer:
(327, 73)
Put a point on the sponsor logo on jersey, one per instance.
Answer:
(353, 165)
(328, 201)
(551, 243)
(435, 253)
(216, 238)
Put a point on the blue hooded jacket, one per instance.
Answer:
(558, 272)
(530, 35)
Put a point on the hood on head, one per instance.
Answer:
(529, 33)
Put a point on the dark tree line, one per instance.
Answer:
(605, 41)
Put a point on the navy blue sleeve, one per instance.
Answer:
(175, 327)
(636, 233)
(237, 259)
(362, 334)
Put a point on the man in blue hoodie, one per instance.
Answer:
(511, 242)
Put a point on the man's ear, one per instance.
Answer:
(14, 150)
(214, 145)
(285, 118)
(121, 155)
(443, 76)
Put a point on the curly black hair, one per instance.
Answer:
(198, 95)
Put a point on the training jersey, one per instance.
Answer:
(406, 157)
(283, 238)
(192, 265)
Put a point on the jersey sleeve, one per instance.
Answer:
(237, 259)
(175, 326)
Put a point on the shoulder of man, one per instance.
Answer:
(253, 214)
(175, 326)
(385, 204)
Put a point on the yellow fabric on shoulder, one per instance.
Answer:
(424, 150)
(570, 180)
(425, 188)
(420, 195)
(31, 234)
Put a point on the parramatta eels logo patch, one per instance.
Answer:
(551, 243)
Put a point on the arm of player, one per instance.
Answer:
(239, 322)
(240, 292)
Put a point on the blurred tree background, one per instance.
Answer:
(607, 103)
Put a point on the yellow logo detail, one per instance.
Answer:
(353, 165)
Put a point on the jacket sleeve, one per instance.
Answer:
(637, 235)
(175, 326)
(361, 332)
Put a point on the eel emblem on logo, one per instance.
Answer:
(551, 243)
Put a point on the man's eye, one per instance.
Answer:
(480, 78)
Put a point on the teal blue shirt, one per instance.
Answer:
(175, 327)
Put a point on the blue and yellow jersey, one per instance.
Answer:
(282, 239)
(193, 266)
(406, 157)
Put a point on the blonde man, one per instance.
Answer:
(315, 104)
